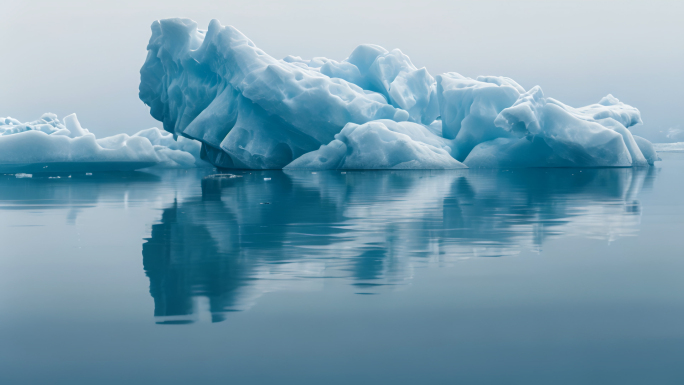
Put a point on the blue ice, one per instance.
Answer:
(372, 110)
(48, 145)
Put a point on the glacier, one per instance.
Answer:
(47, 145)
(372, 110)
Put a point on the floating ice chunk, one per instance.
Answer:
(22, 175)
(553, 134)
(250, 110)
(46, 145)
(381, 144)
(33, 150)
(222, 176)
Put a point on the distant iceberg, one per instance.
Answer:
(669, 147)
(373, 110)
(48, 145)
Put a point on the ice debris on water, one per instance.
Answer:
(48, 145)
(22, 175)
(222, 176)
(372, 110)
(267, 178)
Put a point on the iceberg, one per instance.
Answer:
(547, 132)
(372, 110)
(47, 145)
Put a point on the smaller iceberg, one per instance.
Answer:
(50, 146)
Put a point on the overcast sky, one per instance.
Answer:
(84, 56)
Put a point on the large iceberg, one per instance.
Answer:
(373, 110)
(48, 145)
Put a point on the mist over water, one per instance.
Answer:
(474, 276)
(84, 57)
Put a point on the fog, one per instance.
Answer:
(84, 56)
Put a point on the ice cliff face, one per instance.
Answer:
(373, 110)
(48, 145)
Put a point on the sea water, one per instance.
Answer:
(520, 276)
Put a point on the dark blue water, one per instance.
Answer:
(558, 276)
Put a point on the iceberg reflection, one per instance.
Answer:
(248, 235)
(75, 192)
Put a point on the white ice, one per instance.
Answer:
(48, 145)
(374, 109)
(381, 144)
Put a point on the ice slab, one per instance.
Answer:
(47, 145)
(250, 110)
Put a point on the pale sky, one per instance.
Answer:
(84, 56)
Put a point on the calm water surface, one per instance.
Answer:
(559, 276)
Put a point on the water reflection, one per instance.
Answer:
(75, 192)
(249, 235)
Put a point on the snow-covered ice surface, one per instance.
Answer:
(48, 145)
(373, 110)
